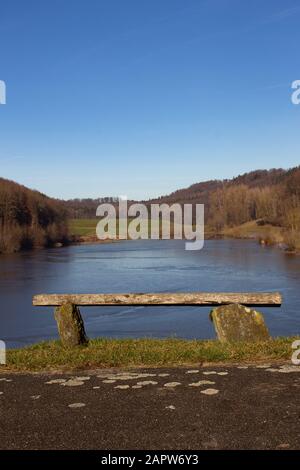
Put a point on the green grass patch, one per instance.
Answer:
(269, 233)
(83, 227)
(87, 227)
(104, 352)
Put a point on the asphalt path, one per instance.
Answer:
(214, 407)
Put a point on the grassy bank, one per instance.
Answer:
(266, 234)
(143, 352)
(270, 234)
(84, 230)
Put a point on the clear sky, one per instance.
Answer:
(142, 97)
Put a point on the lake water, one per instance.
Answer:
(143, 266)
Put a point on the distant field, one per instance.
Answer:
(87, 227)
(269, 233)
(83, 227)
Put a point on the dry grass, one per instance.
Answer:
(269, 233)
(143, 352)
(292, 240)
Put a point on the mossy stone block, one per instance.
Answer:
(70, 325)
(239, 323)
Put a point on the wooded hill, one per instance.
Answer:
(29, 218)
(272, 195)
(246, 197)
(269, 197)
(206, 192)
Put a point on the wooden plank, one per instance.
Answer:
(192, 298)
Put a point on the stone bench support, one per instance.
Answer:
(232, 317)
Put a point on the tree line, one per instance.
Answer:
(29, 218)
(276, 204)
(271, 197)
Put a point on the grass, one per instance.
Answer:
(270, 233)
(87, 227)
(102, 353)
(83, 227)
(292, 240)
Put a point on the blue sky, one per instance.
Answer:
(136, 97)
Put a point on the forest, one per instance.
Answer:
(29, 219)
(269, 197)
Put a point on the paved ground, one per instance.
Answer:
(226, 408)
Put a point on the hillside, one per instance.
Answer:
(197, 192)
(29, 218)
(269, 198)
(200, 191)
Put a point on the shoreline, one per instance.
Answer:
(218, 236)
(222, 235)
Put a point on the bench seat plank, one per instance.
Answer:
(192, 298)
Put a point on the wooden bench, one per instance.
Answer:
(267, 299)
(70, 323)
